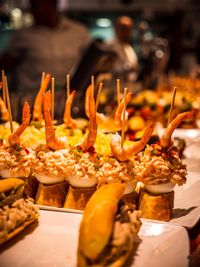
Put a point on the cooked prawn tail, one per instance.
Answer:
(51, 139)
(140, 145)
(90, 139)
(123, 154)
(166, 140)
(3, 110)
(68, 120)
(26, 114)
(14, 138)
(37, 108)
(119, 110)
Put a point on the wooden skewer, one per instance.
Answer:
(5, 84)
(4, 93)
(118, 91)
(123, 118)
(98, 95)
(68, 84)
(92, 83)
(172, 106)
(52, 98)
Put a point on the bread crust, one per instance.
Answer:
(156, 207)
(77, 198)
(101, 209)
(52, 195)
(7, 185)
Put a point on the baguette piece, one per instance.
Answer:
(52, 195)
(77, 198)
(107, 230)
(156, 207)
(7, 185)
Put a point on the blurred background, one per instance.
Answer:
(165, 36)
(176, 20)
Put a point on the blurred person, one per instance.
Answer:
(54, 44)
(123, 63)
(155, 70)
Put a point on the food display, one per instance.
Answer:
(113, 168)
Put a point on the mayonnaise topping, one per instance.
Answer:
(17, 162)
(51, 166)
(158, 167)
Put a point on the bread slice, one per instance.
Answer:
(77, 198)
(156, 207)
(7, 185)
(52, 195)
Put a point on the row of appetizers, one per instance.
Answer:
(56, 162)
(58, 167)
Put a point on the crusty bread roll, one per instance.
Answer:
(52, 195)
(103, 224)
(156, 207)
(7, 185)
(77, 198)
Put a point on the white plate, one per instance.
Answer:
(187, 202)
(54, 243)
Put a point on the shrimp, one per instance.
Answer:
(4, 110)
(100, 117)
(123, 154)
(90, 139)
(119, 110)
(166, 140)
(14, 138)
(69, 122)
(51, 140)
(37, 109)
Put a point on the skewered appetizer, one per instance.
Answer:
(120, 168)
(16, 212)
(82, 166)
(17, 160)
(108, 229)
(160, 169)
(50, 169)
